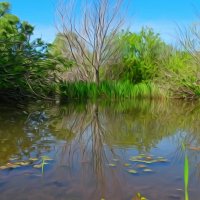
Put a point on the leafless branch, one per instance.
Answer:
(91, 37)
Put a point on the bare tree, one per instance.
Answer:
(189, 39)
(90, 33)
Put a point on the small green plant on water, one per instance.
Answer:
(186, 173)
(139, 197)
(43, 164)
(44, 159)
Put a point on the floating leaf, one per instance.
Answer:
(15, 166)
(3, 167)
(23, 163)
(141, 166)
(138, 157)
(10, 166)
(162, 160)
(132, 171)
(13, 159)
(47, 158)
(37, 166)
(112, 165)
(148, 170)
(127, 164)
(148, 158)
(139, 197)
(160, 157)
(143, 161)
(33, 159)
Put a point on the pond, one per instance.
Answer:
(100, 151)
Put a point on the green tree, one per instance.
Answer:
(142, 55)
(25, 65)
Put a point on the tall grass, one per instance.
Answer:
(186, 176)
(109, 90)
(186, 173)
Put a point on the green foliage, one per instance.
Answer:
(146, 58)
(109, 90)
(179, 75)
(144, 66)
(60, 52)
(24, 64)
(141, 57)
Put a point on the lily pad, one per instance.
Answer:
(9, 166)
(148, 158)
(112, 165)
(160, 157)
(141, 166)
(143, 161)
(3, 167)
(15, 166)
(148, 170)
(162, 160)
(127, 164)
(37, 166)
(33, 159)
(132, 171)
(47, 158)
(13, 159)
(23, 163)
(139, 197)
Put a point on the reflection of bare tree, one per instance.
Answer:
(89, 128)
(90, 135)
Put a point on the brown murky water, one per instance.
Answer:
(97, 151)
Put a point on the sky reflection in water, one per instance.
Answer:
(91, 146)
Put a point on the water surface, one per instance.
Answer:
(90, 150)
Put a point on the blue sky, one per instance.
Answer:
(162, 15)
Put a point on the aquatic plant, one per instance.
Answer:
(132, 171)
(186, 172)
(186, 176)
(109, 90)
(147, 159)
(139, 197)
(25, 163)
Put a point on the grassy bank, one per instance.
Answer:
(109, 90)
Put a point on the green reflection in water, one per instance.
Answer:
(96, 131)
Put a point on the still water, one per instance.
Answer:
(100, 151)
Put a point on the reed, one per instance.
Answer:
(186, 172)
(109, 90)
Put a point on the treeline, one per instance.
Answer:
(96, 60)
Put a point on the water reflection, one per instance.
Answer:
(91, 143)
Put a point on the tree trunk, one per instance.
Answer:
(96, 77)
